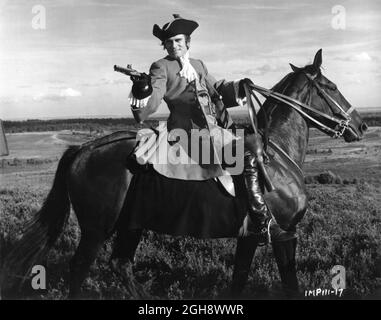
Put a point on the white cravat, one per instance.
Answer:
(187, 71)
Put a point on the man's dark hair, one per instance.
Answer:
(187, 41)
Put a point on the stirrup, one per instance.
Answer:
(264, 233)
(264, 236)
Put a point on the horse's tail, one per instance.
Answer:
(43, 230)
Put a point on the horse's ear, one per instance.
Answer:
(294, 68)
(318, 59)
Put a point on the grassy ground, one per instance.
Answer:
(341, 227)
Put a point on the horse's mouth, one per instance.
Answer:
(351, 135)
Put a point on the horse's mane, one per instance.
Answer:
(281, 85)
(269, 104)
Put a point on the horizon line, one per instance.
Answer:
(159, 115)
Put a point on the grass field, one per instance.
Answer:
(342, 226)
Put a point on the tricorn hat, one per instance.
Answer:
(177, 26)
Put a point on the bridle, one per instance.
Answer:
(332, 103)
(340, 124)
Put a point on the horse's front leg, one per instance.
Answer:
(284, 252)
(245, 251)
(126, 243)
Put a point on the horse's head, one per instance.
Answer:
(326, 98)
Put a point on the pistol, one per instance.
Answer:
(128, 71)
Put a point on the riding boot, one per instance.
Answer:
(258, 218)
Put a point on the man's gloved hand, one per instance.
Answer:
(142, 87)
(241, 90)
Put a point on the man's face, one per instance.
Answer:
(176, 46)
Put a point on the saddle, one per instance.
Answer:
(158, 149)
(151, 181)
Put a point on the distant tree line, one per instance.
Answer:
(372, 119)
(114, 124)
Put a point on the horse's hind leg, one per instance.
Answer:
(126, 240)
(243, 258)
(284, 252)
(91, 241)
(126, 243)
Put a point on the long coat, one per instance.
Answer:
(183, 98)
(188, 110)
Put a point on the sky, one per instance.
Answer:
(57, 56)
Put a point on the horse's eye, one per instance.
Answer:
(330, 86)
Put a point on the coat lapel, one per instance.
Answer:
(196, 66)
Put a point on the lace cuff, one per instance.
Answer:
(136, 103)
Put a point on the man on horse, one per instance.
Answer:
(196, 100)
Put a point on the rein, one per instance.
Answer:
(341, 125)
(338, 131)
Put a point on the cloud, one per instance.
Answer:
(57, 96)
(248, 7)
(57, 84)
(69, 92)
(8, 100)
(105, 81)
(253, 6)
(261, 70)
(364, 20)
(363, 56)
(47, 96)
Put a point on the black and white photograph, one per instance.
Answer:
(190, 156)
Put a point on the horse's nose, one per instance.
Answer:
(363, 127)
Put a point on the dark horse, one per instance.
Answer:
(106, 197)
